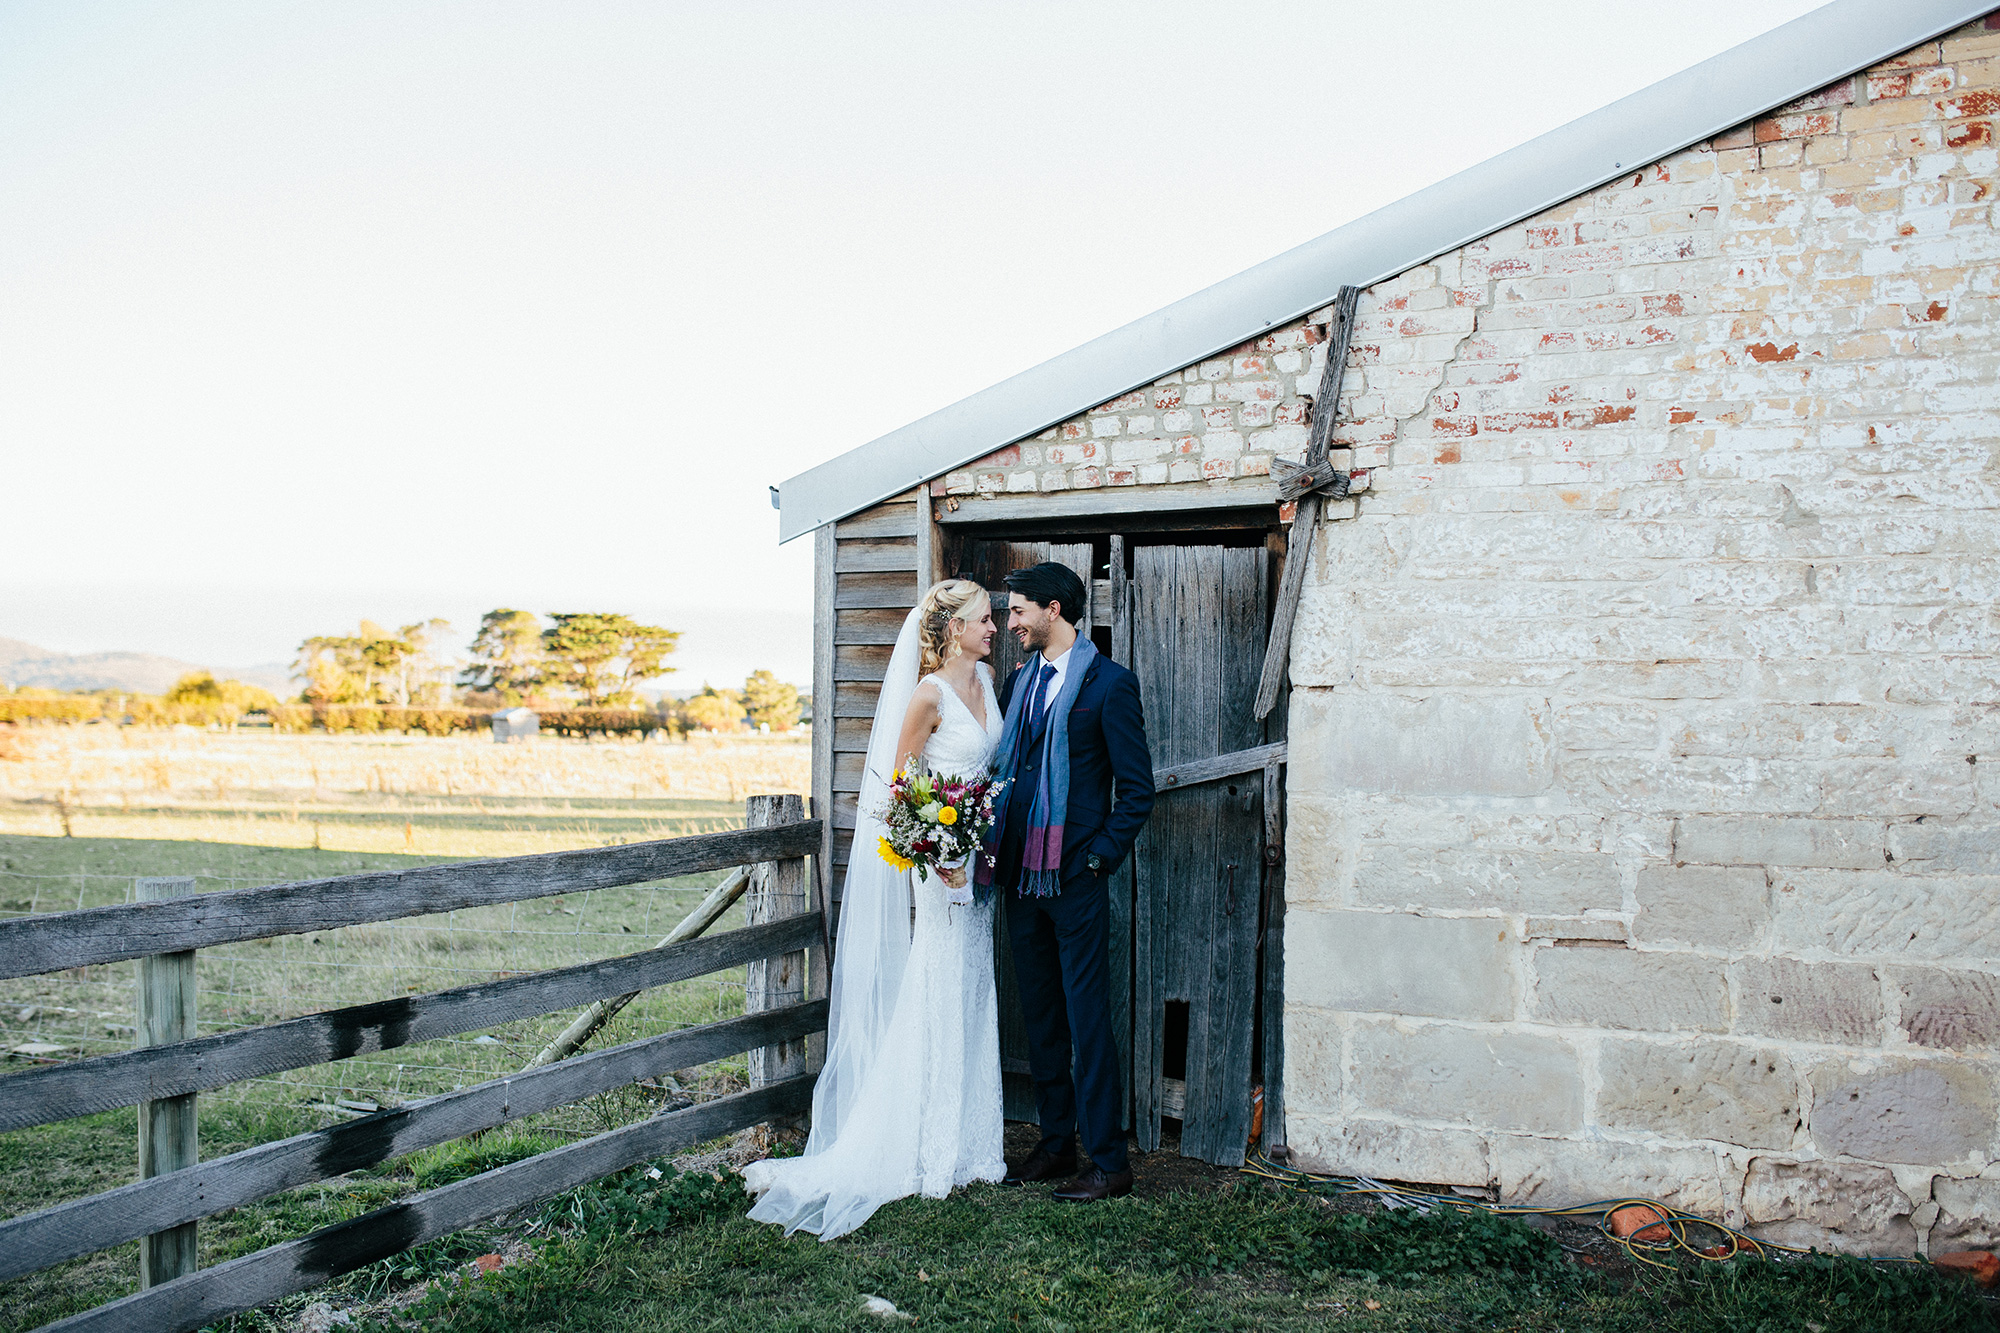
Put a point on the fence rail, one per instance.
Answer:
(35, 944)
(780, 1021)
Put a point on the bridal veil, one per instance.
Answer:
(872, 945)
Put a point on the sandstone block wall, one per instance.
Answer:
(1643, 832)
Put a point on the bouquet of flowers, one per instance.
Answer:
(936, 824)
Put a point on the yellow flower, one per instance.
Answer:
(892, 856)
(947, 816)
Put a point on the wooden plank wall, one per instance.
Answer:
(872, 568)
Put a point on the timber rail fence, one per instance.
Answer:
(169, 924)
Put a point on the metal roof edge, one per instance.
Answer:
(1720, 93)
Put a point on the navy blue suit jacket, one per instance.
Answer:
(1107, 743)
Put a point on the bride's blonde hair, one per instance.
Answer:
(944, 607)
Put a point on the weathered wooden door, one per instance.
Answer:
(1197, 635)
(990, 562)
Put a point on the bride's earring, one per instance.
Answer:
(955, 639)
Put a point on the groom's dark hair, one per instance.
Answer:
(1050, 582)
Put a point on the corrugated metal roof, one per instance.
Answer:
(1699, 103)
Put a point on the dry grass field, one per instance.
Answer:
(85, 810)
(454, 796)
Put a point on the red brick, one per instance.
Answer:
(1603, 414)
(1680, 416)
(1218, 469)
(1970, 134)
(1982, 102)
(1763, 353)
(1982, 1266)
(1165, 399)
(1882, 86)
(1669, 304)
(1639, 1221)
(1743, 136)
(1802, 126)
(1290, 414)
(1457, 427)
(1510, 421)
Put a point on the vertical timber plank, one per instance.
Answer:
(825, 584)
(777, 890)
(167, 1137)
(1273, 979)
(1150, 603)
(1121, 888)
(1239, 844)
(1204, 939)
(930, 567)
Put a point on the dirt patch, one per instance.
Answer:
(1155, 1174)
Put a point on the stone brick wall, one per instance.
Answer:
(1210, 424)
(1643, 832)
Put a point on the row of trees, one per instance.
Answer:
(597, 659)
(589, 659)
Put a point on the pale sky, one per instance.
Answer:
(310, 312)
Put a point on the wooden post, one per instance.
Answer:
(167, 1139)
(777, 889)
(1305, 518)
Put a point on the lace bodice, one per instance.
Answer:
(961, 747)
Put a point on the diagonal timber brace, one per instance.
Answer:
(1305, 520)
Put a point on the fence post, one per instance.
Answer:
(777, 890)
(167, 1140)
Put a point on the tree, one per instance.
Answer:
(602, 656)
(506, 655)
(771, 702)
(333, 670)
(201, 695)
(715, 710)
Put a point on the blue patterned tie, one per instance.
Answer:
(1040, 702)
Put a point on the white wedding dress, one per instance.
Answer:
(909, 1101)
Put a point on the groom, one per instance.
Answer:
(1073, 727)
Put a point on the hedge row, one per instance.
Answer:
(296, 719)
(50, 708)
(376, 717)
(602, 721)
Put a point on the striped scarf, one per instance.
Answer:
(1048, 807)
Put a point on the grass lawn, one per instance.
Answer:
(1231, 1254)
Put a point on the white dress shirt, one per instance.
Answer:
(1061, 664)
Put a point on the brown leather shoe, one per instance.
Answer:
(1093, 1184)
(1041, 1165)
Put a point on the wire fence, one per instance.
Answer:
(93, 1011)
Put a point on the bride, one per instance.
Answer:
(909, 1100)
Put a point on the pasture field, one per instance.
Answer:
(246, 809)
(448, 796)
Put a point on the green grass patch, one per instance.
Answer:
(675, 1252)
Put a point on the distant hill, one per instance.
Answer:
(142, 673)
